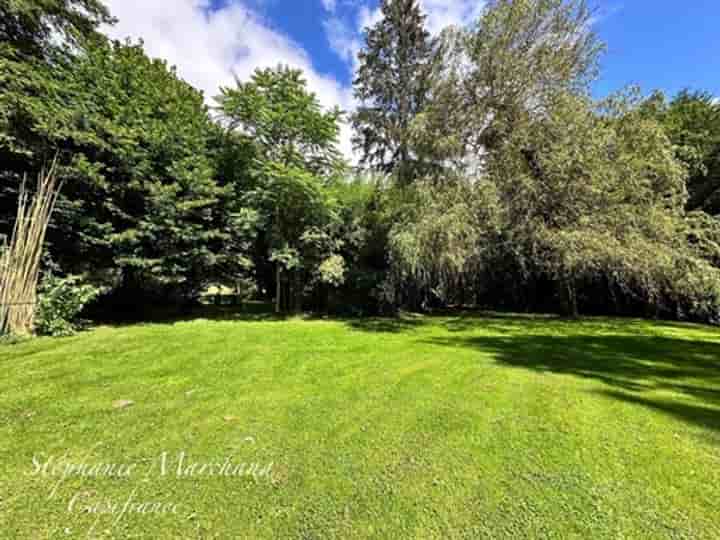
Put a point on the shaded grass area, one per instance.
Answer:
(475, 426)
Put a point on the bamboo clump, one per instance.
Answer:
(20, 260)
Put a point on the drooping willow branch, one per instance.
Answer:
(20, 261)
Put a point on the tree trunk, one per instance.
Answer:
(278, 289)
(297, 293)
(571, 305)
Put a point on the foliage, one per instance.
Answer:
(365, 212)
(140, 196)
(492, 86)
(33, 28)
(37, 41)
(332, 270)
(284, 120)
(508, 69)
(601, 197)
(692, 122)
(501, 182)
(704, 236)
(571, 195)
(295, 160)
(438, 248)
(60, 301)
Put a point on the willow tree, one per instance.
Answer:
(440, 247)
(587, 195)
(490, 83)
(591, 195)
(509, 66)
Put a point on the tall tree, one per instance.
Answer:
(585, 195)
(293, 143)
(38, 44)
(509, 68)
(393, 86)
(140, 200)
(145, 192)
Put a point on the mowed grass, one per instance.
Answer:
(455, 427)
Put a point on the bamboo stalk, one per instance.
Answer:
(20, 262)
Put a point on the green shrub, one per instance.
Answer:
(60, 301)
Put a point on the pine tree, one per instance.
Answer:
(393, 86)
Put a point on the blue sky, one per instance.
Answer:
(654, 43)
(662, 44)
(657, 44)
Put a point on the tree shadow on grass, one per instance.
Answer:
(692, 413)
(238, 314)
(635, 368)
(192, 313)
(393, 325)
(456, 320)
(512, 323)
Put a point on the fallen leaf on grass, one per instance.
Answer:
(122, 403)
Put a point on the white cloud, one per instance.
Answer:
(343, 40)
(329, 5)
(444, 13)
(368, 17)
(345, 35)
(209, 46)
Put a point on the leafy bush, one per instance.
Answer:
(696, 288)
(60, 301)
(332, 270)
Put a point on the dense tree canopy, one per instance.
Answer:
(140, 197)
(692, 121)
(489, 174)
(573, 204)
(143, 176)
(293, 144)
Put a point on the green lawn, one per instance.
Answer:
(457, 427)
